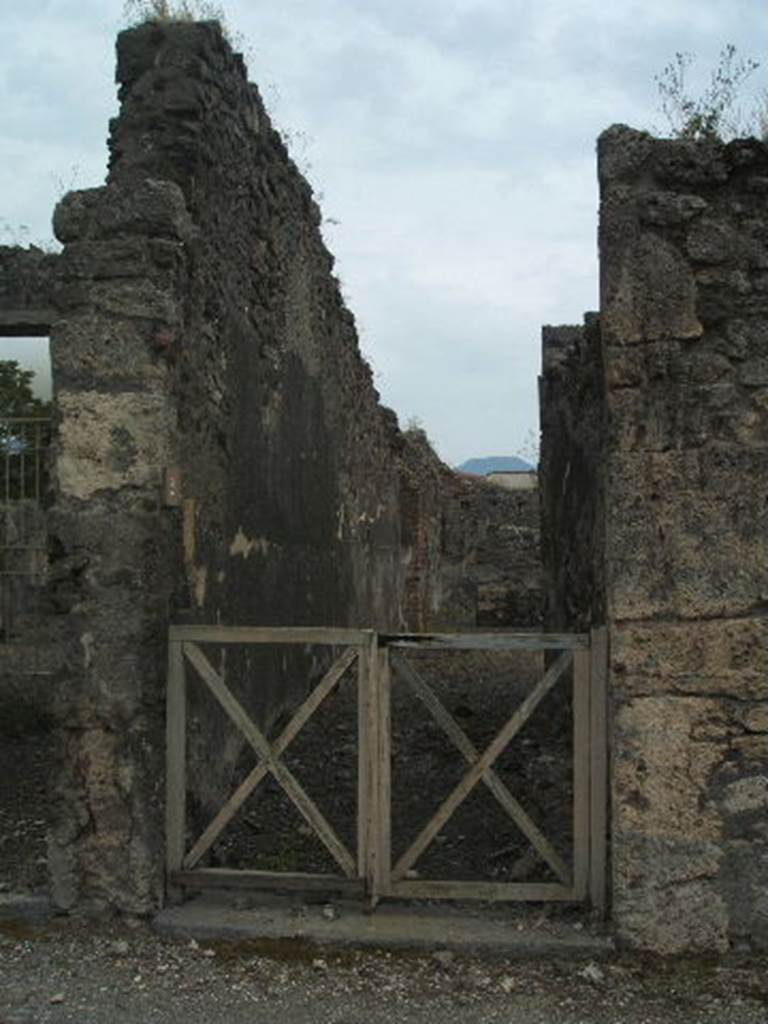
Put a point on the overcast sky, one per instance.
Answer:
(451, 143)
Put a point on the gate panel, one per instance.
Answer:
(572, 661)
(187, 660)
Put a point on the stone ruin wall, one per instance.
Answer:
(220, 453)
(194, 309)
(573, 425)
(679, 380)
(472, 547)
(28, 287)
(201, 338)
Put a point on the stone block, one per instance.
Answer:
(112, 441)
(154, 208)
(685, 533)
(666, 895)
(706, 657)
(653, 296)
(742, 888)
(114, 353)
(663, 761)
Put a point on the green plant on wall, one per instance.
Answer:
(715, 113)
(138, 11)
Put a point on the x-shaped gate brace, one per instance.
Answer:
(481, 768)
(373, 863)
(270, 759)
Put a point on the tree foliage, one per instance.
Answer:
(17, 399)
(715, 113)
(24, 434)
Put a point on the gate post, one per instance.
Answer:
(598, 768)
(368, 767)
(176, 762)
(581, 772)
(384, 776)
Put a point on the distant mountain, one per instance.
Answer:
(495, 464)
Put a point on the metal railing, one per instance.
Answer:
(24, 443)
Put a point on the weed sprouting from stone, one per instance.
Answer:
(715, 113)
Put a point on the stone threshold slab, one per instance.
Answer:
(212, 917)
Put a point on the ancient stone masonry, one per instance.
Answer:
(472, 546)
(220, 452)
(573, 422)
(220, 455)
(679, 383)
(218, 435)
(28, 284)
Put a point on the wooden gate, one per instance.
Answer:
(381, 662)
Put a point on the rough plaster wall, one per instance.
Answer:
(684, 315)
(573, 421)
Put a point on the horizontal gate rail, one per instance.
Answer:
(269, 635)
(487, 641)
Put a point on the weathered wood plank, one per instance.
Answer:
(598, 789)
(325, 687)
(470, 753)
(384, 773)
(303, 802)
(491, 892)
(175, 759)
(487, 641)
(226, 878)
(581, 823)
(214, 634)
(366, 763)
(481, 765)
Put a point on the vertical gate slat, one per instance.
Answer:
(368, 794)
(384, 837)
(176, 784)
(598, 746)
(581, 767)
(363, 769)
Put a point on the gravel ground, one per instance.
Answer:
(24, 766)
(110, 974)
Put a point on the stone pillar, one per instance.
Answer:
(114, 544)
(684, 321)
